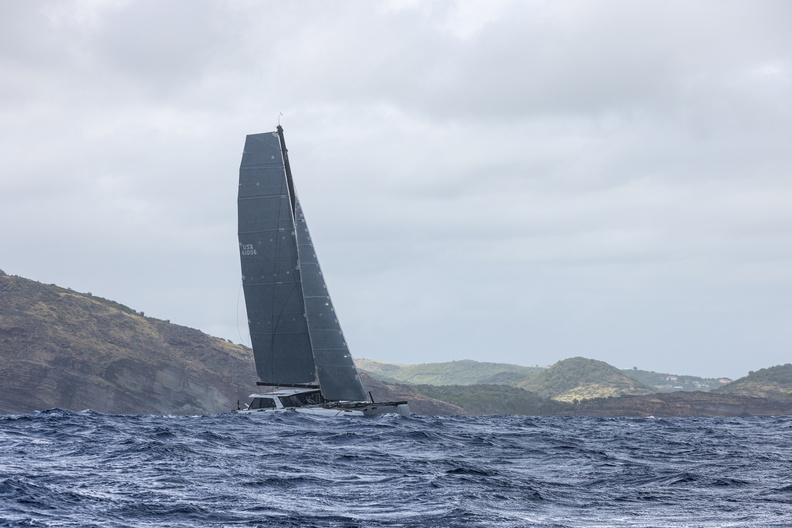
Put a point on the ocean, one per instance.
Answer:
(88, 469)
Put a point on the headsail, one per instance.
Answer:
(337, 374)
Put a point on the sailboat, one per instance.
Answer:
(300, 352)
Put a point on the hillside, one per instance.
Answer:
(464, 372)
(773, 382)
(493, 399)
(468, 372)
(580, 379)
(60, 348)
(378, 369)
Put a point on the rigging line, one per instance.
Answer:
(239, 296)
(280, 314)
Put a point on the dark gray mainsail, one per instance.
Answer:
(296, 337)
(270, 275)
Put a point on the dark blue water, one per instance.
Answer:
(60, 468)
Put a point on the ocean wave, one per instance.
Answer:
(66, 468)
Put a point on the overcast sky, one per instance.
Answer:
(508, 181)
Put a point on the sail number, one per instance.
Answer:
(247, 249)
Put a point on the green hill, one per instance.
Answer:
(568, 380)
(369, 365)
(773, 382)
(581, 379)
(465, 372)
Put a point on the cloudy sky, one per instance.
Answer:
(510, 181)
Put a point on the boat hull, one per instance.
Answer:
(366, 409)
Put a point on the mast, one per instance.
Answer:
(289, 181)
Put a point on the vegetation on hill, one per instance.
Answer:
(372, 366)
(580, 378)
(773, 382)
(465, 372)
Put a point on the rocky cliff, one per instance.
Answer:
(60, 348)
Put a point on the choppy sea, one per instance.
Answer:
(88, 469)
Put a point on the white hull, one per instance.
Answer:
(369, 411)
(307, 401)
